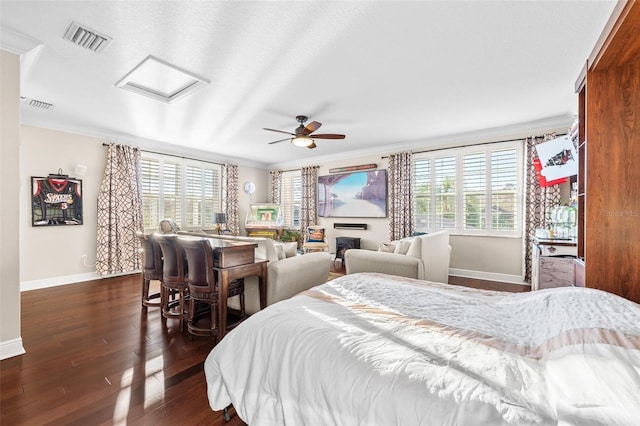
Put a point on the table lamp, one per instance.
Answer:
(219, 218)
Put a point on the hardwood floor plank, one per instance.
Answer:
(94, 356)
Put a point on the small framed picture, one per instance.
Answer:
(57, 200)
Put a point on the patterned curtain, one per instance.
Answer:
(119, 212)
(230, 197)
(401, 220)
(276, 186)
(308, 201)
(538, 199)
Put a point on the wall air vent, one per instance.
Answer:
(37, 104)
(87, 38)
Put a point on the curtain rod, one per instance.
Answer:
(173, 155)
(473, 144)
(293, 170)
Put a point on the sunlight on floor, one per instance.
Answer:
(153, 388)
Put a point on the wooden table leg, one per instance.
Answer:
(226, 275)
(223, 289)
(262, 285)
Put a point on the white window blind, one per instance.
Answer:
(185, 190)
(445, 192)
(150, 173)
(171, 194)
(471, 190)
(291, 194)
(474, 181)
(504, 189)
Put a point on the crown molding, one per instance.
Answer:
(16, 42)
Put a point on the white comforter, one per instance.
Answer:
(371, 349)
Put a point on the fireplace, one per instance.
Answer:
(343, 244)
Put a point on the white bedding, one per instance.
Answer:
(372, 349)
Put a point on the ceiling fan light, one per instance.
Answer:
(302, 141)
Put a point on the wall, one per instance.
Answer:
(10, 187)
(377, 229)
(57, 251)
(260, 177)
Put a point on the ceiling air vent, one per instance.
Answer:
(37, 104)
(87, 38)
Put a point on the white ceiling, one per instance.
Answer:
(390, 75)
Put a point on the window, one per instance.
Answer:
(290, 196)
(471, 190)
(185, 190)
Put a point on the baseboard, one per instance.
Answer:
(488, 276)
(11, 348)
(67, 279)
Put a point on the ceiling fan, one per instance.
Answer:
(303, 134)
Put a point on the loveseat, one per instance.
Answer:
(288, 273)
(425, 257)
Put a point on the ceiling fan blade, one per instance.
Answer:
(311, 127)
(327, 136)
(279, 131)
(279, 140)
(313, 145)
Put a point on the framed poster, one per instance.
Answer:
(57, 200)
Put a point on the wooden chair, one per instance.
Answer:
(174, 275)
(203, 288)
(151, 268)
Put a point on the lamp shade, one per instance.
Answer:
(219, 217)
(302, 141)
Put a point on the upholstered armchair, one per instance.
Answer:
(425, 257)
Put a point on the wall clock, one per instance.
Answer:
(249, 188)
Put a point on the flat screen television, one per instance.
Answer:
(356, 194)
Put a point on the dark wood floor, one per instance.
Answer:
(94, 357)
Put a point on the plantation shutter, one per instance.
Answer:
(290, 199)
(474, 183)
(445, 192)
(150, 181)
(472, 190)
(504, 195)
(422, 193)
(171, 184)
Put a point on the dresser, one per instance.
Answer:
(552, 262)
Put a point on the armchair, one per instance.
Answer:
(427, 258)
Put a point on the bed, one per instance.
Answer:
(374, 349)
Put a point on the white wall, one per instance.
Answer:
(10, 184)
(56, 251)
(260, 177)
